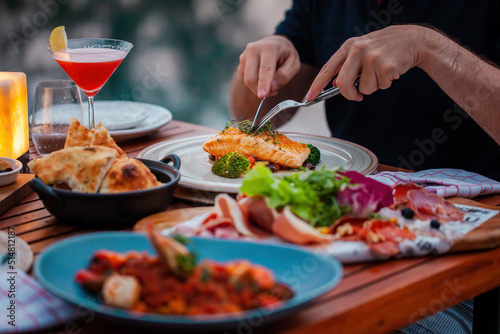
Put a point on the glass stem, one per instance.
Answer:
(91, 113)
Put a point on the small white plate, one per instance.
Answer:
(9, 177)
(196, 166)
(156, 117)
(23, 252)
(120, 116)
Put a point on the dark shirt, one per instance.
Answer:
(413, 124)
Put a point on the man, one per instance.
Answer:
(415, 120)
(423, 101)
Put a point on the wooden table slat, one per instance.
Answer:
(21, 209)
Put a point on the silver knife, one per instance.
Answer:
(257, 113)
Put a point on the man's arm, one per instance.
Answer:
(383, 56)
(473, 83)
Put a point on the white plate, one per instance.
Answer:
(120, 116)
(195, 164)
(156, 117)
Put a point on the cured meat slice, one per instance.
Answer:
(257, 211)
(427, 205)
(227, 220)
(227, 207)
(388, 230)
(401, 192)
(382, 236)
(293, 229)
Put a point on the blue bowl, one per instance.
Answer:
(57, 265)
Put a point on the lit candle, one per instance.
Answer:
(14, 128)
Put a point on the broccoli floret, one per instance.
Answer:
(314, 156)
(231, 165)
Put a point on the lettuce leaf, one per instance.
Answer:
(311, 195)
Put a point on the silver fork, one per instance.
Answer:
(287, 104)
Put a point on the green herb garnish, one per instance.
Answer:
(205, 274)
(187, 263)
(245, 126)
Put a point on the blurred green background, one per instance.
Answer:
(185, 51)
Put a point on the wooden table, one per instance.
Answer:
(371, 298)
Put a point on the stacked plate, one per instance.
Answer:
(128, 120)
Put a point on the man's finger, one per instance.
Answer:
(285, 72)
(267, 68)
(386, 75)
(328, 71)
(368, 82)
(347, 76)
(251, 75)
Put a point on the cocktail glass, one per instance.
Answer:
(90, 62)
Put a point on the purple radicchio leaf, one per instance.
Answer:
(364, 195)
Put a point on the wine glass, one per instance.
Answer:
(90, 62)
(55, 103)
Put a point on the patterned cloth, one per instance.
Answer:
(35, 307)
(453, 320)
(444, 182)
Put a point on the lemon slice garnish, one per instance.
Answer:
(58, 40)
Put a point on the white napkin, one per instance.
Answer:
(444, 182)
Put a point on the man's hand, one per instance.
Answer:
(381, 57)
(268, 64)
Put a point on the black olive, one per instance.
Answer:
(408, 213)
(309, 166)
(435, 224)
(272, 167)
(211, 157)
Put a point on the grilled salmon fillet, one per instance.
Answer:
(277, 149)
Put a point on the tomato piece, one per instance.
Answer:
(114, 259)
(83, 276)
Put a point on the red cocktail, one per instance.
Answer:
(90, 62)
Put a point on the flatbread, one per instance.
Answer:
(127, 174)
(82, 169)
(102, 138)
(78, 135)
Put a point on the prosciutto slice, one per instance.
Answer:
(257, 211)
(427, 205)
(291, 228)
(228, 220)
(401, 190)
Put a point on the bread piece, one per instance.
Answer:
(82, 169)
(5, 166)
(102, 138)
(127, 174)
(78, 135)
